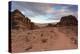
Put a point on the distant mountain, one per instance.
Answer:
(19, 21)
(67, 21)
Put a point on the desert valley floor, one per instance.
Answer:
(44, 39)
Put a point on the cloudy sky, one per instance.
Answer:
(44, 12)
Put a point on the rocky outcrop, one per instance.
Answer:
(68, 21)
(19, 21)
(49, 25)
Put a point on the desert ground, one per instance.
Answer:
(44, 39)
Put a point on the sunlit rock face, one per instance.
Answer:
(19, 21)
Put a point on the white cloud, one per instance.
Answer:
(45, 12)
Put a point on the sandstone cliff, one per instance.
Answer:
(68, 21)
(19, 21)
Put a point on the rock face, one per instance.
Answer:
(67, 21)
(51, 25)
(19, 21)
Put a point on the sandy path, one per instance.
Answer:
(63, 42)
(54, 40)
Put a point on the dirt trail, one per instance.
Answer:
(41, 40)
(63, 41)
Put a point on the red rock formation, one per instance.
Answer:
(19, 21)
(68, 21)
